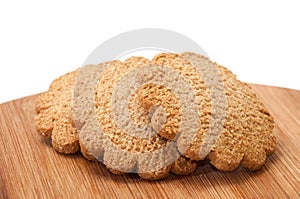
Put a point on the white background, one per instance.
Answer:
(257, 40)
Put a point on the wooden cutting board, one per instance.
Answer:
(30, 168)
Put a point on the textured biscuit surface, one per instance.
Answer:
(131, 136)
(156, 117)
(90, 140)
(188, 144)
(54, 114)
(247, 134)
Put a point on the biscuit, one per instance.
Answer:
(184, 166)
(246, 137)
(195, 92)
(90, 140)
(94, 145)
(131, 143)
(54, 114)
(157, 117)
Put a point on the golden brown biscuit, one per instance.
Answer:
(247, 134)
(60, 124)
(90, 140)
(156, 117)
(184, 166)
(54, 114)
(193, 92)
(127, 138)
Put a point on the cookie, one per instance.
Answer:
(131, 145)
(54, 114)
(157, 117)
(90, 140)
(246, 137)
(193, 98)
(94, 145)
(235, 127)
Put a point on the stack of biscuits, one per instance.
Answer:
(156, 117)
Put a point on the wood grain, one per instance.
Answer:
(30, 168)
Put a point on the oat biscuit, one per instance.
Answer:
(157, 117)
(247, 126)
(62, 100)
(247, 135)
(198, 95)
(130, 140)
(54, 114)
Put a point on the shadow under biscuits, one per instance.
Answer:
(207, 175)
(101, 173)
(46, 141)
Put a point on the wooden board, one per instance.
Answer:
(30, 168)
